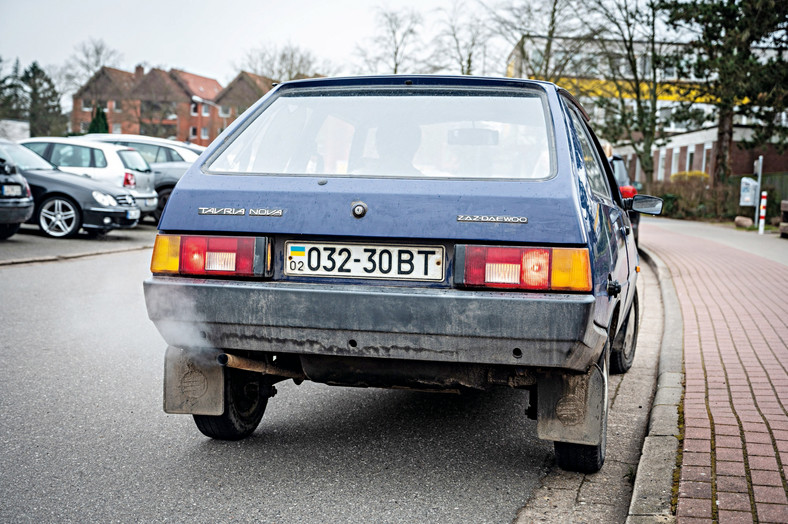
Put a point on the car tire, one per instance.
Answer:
(59, 217)
(581, 457)
(164, 195)
(623, 352)
(8, 230)
(246, 396)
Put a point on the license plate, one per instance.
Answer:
(133, 214)
(12, 190)
(380, 261)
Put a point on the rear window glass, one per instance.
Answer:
(417, 133)
(133, 160)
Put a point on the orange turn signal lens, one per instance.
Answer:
(166, 254)
(571, 270)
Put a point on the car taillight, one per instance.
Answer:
(129, 180)
(531, 268)
(212, 255)
(628, 191)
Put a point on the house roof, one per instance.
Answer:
(108, 80)
(260, 84)
(201, 86)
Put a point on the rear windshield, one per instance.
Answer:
(396, 133)
(133, 160)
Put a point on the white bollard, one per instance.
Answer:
(762, 220)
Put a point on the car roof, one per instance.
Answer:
(438, 80)
(140, 138)
(78, 141)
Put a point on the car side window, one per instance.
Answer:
(37, 147)
(148, 152)
(172, 155)
(594, 171)
(68, 155)
(99, 160)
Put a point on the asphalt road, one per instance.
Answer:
(84, 437)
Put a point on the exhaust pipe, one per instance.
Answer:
(232, 361)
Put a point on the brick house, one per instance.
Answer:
(243, 91)
(157, 103)
(108, 88)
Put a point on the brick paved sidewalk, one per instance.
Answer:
(735, 310)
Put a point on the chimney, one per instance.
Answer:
(139, 71)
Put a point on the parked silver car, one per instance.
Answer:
(119, 165)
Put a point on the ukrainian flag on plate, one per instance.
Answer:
(297, 251)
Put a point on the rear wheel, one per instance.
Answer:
(623, 352)
(164, 196)
(59, 217)
(246, 396)
(581, 457)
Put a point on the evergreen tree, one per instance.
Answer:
(99, 122)
(738, 52)
(13, 98)
(44, 113)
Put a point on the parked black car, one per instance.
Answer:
(16, 200)
(66, 203)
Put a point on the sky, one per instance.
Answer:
(207, 38)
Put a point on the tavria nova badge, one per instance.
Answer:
(502, 219)
(232, 211)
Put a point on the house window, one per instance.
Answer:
(206, 110)
(116, 106)
(116, 128)
(224, 111)
(83, 127)
(674, 162)
(204, 133)
(661, 165)
(690, 159)
(194, 110)
(86, 106)
(193, 132)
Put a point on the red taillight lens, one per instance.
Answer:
(211, 256)
(217, 256)
(628, 191)
(129, 180)
(526, 268)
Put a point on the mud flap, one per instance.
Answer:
(193, 382)
(571, 407)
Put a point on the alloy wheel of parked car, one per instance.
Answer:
(59, 217)
(623, 352)
(581, 457)
(245, 399)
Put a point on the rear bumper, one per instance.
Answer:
(16, 210)
(443, 325)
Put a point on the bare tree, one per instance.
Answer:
(630, 56)
(284, 63)
(462, 39)
(391, 50)
(548, 37)
(88, 57)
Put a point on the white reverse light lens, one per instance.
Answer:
(104, 199)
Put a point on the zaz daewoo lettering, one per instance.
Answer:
(435, 233)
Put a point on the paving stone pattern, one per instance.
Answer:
(735, 310)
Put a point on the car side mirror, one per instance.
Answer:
(7, 168)
(647, 204)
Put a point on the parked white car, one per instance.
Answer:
(153, 149)
(119, 165)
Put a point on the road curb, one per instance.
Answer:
(651, 496)
(55, 258)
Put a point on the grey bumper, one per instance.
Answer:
(444, 325)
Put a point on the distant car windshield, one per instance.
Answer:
(133, 160)
(23, 158)
(473, 133)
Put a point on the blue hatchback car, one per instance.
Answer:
(425, 232)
